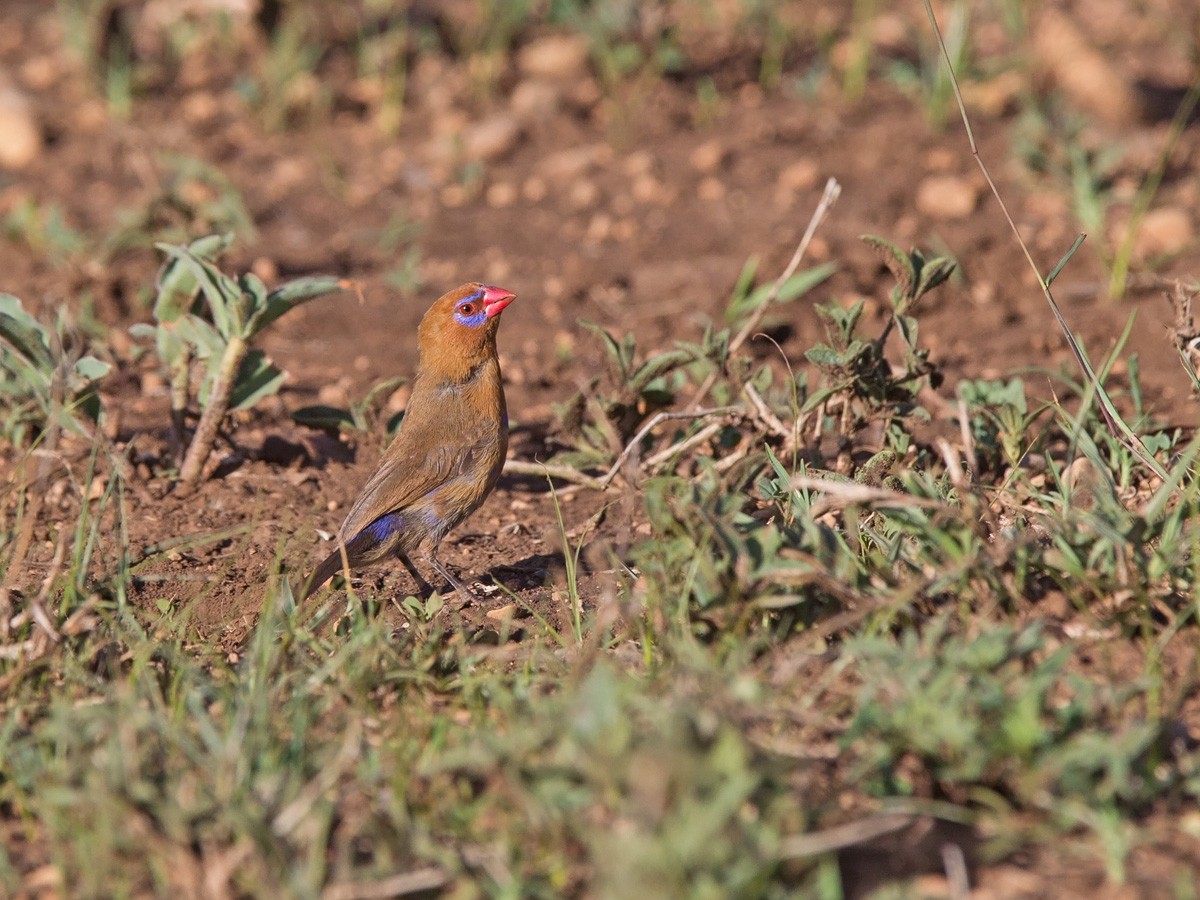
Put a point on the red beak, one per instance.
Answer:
(495, 299)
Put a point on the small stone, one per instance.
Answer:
(153, 383)
(946, 197)
(199, 108)
(711, 189)
(533, 101)
(583, 194)
(799, 176)
(332, 394)
(501, 194)
(397, 401)
(646, 189)
(493, 138)
(89, 116)
(941, 159)
(22, 141)
(566, 165)
(97, 487)
(454, 196)
(637, 163)
(40, 73)
(995, 96)
(266, 269)
(501, 613)
(555, 57)
(1163, 232)
(1086, 74)
(707, 158)
(584, 94)
(599, 227)
(534, 189)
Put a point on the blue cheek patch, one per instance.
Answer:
(473, 321)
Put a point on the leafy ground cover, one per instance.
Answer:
(825, 578)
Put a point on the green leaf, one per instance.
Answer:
(899, 263)
(24, 333)
(177, 285)
(290, 295)
(199, 335)
(799, 284)
(91, 369)
(256, 379)
(142, 330)
(323, 417)
(222, 292)
(823, 356)
(658, 365)
(934, 273)
(617, 353)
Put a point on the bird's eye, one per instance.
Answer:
(467, 309)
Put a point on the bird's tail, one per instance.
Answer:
(326, 570)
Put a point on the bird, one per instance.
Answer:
(448, 454)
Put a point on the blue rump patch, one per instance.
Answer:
(384, 527)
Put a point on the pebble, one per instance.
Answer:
(22, 142)
(560, 57)
(492, 138)
(799, 176)
(995, 96)
(266, 269)
(534, 189)
(599, 228)
(199, 108)
(500, 613)
(567, 165)
(946, 197)
(501, 194)
(708, 157)
(153, 383)
(1164, 232)
(711, 189)
(640, 162)
(647, 189)
(583, 194)
(40, 73)
(534, 100)
(1084, 73)
(332, 394)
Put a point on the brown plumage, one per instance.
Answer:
(450, 448)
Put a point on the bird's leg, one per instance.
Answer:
(463, 591)
(422, 585)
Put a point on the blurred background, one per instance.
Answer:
(609, 160)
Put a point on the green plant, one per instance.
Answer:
(857, 379)
(361, 416)
(42, 377)
(43, 228)
(999, 420)
(232, 374)
(194, 199)
(929, 80)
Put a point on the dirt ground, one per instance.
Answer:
(633, 206)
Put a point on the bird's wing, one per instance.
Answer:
(401, 479)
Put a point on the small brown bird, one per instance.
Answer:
(451, 444)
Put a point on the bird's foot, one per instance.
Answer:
(464, 592)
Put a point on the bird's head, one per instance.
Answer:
(460, 328)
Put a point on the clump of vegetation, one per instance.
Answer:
(43, 378)
(210, 359)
